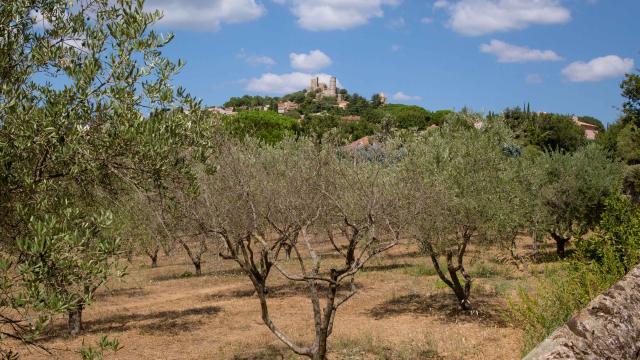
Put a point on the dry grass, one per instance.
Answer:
(401, 312)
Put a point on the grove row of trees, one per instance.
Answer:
(99, 153)
(287, 208)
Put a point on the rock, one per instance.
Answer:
(608, 328)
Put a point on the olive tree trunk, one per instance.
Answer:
(153, 255)
(461, 288)
(75, 319)
(196, 257)
(561, 243)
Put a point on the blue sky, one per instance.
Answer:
(565, 56)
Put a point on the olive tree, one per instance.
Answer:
(573, 190)
(297, 197)
(84, 93)
(461, 180)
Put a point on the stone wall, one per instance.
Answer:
(608, 328)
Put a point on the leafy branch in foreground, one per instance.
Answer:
(85, 120)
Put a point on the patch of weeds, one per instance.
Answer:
(186, 275)
(368, 346)
(502, 287)
(356, 348)
(439, 284)
(98, 352)
(420, 270)
(271, 352)
(485, 270)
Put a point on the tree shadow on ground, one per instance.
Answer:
(445, 307)
(170, 322)
(546, 257)
(268, 353)
(188, 274)
(128, 292)
(385, 267)
(279, 291)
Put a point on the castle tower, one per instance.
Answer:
(332, 85)
(315, 84)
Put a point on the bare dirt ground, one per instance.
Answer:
(402, 311)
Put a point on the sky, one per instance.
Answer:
(562, 56)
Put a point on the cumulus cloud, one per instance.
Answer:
(255, 60)
(270, 83)
(479, 17)
(324, 15)
(534, 79)
(314, 60)
(401, 96)
(205, 15)
(440, 4)
(601, 68)
(508, 53)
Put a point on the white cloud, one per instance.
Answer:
(598, 69)
(324, 15)
(426, 20)
(270, 83)
(534, 79)
(440, 4)
(255, 60)
(314, 60)
(508, 53)
(206, 15)
(401, 96)
(479, 17)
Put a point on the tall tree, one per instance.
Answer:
(84, 118)
(574, 187)
(461, 179)
(631, 92)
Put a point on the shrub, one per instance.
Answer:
(266, 126)
(631, 183)
(599, 262)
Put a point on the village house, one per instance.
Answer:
(222, 111)
(285, 107)
(590, 130)
(358, 144)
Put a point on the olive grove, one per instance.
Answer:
(300, 199)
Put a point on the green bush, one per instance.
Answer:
(598, 263)
(409, 116)
(264, 125)
(618, 244)
(631, 183)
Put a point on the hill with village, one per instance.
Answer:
(323, 109)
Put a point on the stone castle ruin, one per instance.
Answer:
(325, 90)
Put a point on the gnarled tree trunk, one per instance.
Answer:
(461, 289)
(153, 255)
(75, 319)
(198, 265)
(196, 258)
(561, 243)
